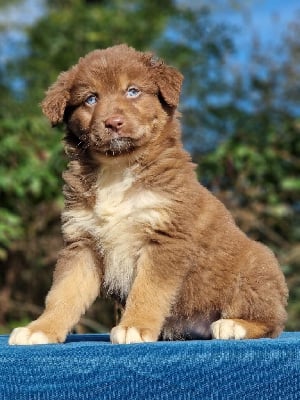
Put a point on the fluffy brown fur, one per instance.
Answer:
(137, 224)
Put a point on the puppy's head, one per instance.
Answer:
(114, 101)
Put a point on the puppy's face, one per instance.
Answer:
(114, 110)
(114, 101)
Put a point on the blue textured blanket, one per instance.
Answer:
(88, 367)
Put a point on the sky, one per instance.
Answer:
(13, 19)
(266, 19)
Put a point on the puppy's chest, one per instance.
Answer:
(119, 223)
(124, 216)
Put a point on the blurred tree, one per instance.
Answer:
(255, 171)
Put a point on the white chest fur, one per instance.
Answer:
(119, 223)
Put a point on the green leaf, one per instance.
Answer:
(291, 184)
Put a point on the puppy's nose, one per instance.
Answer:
(114, 122)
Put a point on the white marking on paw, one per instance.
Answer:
(124, 335)
(227, 329)
(23, 336)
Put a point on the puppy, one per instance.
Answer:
(137, 224)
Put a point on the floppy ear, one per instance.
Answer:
(169, 82)
(57, 97)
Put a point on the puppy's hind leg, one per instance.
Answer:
(238, 329)
(75, 286)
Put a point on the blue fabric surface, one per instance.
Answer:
(88, 367)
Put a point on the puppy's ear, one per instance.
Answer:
(169, 81)
(57, 97)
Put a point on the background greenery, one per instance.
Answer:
(241, 125)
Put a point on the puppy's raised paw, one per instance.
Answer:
(227, 329)
(24, 336)
(126, 335)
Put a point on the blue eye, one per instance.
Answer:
(91, 100)
(133, 92)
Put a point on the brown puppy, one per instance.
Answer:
(137, 224)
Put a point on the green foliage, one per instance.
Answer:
(11, 228)
(31, 164)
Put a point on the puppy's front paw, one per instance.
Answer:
(227, 329)
(125, 335)
(24, 336)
